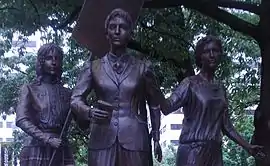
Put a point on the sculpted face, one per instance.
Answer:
(118, 32)
(210, 57)
(52, 63)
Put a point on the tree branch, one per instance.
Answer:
(251, 7)
(210, 8)
(8, 8)
(72, 17)
(17, 69)
(227, 18)
(152, 28)
(36, 10)
(186, 64)
(156, 4)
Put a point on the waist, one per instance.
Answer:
(52, 131)
(121, 104)
(31, 141)
(50, 126)
(200, 142)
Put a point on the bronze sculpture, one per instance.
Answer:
(89, 29)
(42, 111)
(205, 108)
(121, 137)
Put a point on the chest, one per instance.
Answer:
(107, 81)
(47, 97)
(210, 96)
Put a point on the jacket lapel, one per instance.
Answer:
(128, 68)
(109, 70)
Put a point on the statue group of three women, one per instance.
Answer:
(127, 84)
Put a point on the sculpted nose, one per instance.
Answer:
(211, 53)
(117, 30)
(54, 61)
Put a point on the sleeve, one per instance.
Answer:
(24, 117)
(152, 91)
(80, 92)
(178, 98)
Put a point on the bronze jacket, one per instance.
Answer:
(129, 94)
(42, 110)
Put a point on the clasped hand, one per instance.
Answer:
(55, 142)
(99, 114)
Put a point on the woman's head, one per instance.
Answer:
(208, 52)
(118, 27)
(49, 61)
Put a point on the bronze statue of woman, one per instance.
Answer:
(126, 83)
(205, 108)
(42, 111)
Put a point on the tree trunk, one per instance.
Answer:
(262, 114)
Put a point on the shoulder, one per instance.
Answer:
(145, 64)
(147, 68)
(186, 83)
(91, 60)
(195, 80)
(87, 66)
(25, 87)
(31, 85)
(188, 80)
(137, 58)
(141, 64)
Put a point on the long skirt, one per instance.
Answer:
(207, 153)
(41, 155)
(118, 156)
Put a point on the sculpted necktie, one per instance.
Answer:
(118, 67)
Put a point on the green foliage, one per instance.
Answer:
(19, 138)
(169, 156)
(79, 141)
(234, 155)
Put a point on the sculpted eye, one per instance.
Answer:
(205, 51)
(124, 26)
(216, 50)
(112, 26)
(48, 57)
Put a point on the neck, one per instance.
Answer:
(118, 51)
(49, 78)
(208, 74)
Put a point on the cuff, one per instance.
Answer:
(47, 139)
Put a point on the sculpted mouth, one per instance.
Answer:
(212, 61)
